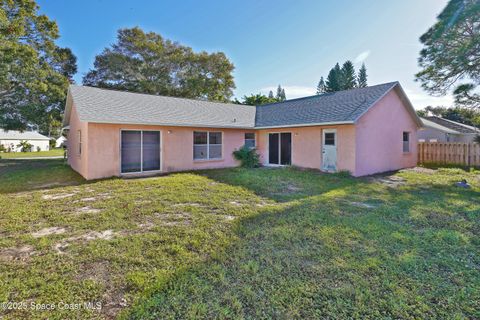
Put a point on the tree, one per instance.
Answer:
(270, 95)
(362, 77)
(258, 99)
(348, 77)
(321, 87)
(280, 96)
(34, 72)
(451, 53)
(148, 63)
(334, 79)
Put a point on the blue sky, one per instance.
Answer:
(291, 43)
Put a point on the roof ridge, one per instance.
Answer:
(328, 93)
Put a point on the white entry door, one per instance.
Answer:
(329, 150)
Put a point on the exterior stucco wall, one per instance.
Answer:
(379, 137)
(307, 146)
(176, 148)
(78, 162)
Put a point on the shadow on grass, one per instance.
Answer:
(25, 175)
(408, 254)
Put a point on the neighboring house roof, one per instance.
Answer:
(452, 125)
(434, 125)
(17, 135)
(342, 107)
(337, 107)
(110, 106)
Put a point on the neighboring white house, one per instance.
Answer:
(60, 142)
(437, 129)
(10, 140)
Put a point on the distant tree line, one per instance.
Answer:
(261, 99)
(343, 78)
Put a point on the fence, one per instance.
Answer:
(465, 154)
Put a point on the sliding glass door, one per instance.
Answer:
(280, 148)
(140, 151)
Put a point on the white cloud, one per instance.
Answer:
(362, 56)
(291, 92)
(421, 99)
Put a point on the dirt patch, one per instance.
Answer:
(236, 203)
(88, 209)
(229, 218)
(363, 205)
(188, 204)
(89, 236)
(390, 181)
(293, 188)
(17, 253)
(173, 219)
(96, 271)
(48, 231)
(88, 199)
(420, 170)
(57, 196)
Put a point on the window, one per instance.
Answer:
(406, 142)
(250, 140)
(207, 145)
(329, 138)
(79, 138)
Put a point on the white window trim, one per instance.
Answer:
(208, 146)
(79, 142)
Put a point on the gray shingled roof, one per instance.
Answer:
(111, 106)
(25, 135)
(337, 107)
(452, 125)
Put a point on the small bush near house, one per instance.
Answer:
(52, 143)
(2, 148)
(247, 156)
(25, 146)
(39, 149)
(477, 138)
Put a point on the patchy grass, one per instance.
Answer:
(50, 153)
(244, 243)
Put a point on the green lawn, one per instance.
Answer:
(50, 153)
(241, 244)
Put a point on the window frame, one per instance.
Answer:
(254, 140)
(79, 142)
(406, 143)
(208, 144)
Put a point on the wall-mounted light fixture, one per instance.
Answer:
(169, 131)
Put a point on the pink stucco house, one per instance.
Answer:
(364, 131)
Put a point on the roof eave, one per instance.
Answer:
(305, 125)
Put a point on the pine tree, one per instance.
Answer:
(321, 87)
(334, 81)
(362, 77)
(279, 93)
(348, 79)
(283, 96)
(270, 95)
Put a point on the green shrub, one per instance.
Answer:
(25, 146)
(247, 156)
